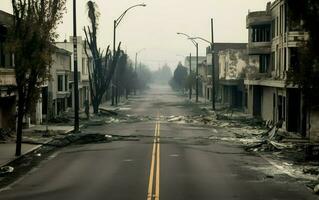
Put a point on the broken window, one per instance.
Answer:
(294, 59)
(60, 83)
(261, 33)
(281, 108)
(264, 61)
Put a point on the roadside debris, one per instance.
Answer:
(316, 189)
(6, 169)
(104, 111)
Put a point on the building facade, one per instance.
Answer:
(7, 77)
(232, 64)
(273, 48)
(84, 63)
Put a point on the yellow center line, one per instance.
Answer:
(150, 183)
(155, 160)
(157, 189)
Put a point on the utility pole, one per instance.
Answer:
(76, 80)
(197, 83)
(135, 71)
(190, 75)
(213, 67)
(114, 52)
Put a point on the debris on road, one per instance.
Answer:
(6, 169)
(108, 112)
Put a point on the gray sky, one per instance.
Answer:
(154, 27)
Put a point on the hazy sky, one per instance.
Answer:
(154, 27)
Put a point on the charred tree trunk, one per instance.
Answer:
(96, 105)
(20, 123)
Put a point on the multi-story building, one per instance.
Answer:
(273, 50)
(205, 67)
(7, 77)
(84, 63)
(232, 64)
(56, 95)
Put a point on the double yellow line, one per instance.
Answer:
(155, 166)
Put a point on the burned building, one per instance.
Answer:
(7, 76)
(272, 48)
(232, 64)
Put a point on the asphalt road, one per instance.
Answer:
(169, 162)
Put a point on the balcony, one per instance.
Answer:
(7, 77)
(259, 48)
(258, 18)
(294, 38)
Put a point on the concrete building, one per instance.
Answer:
(7, 77)
(232, 64)
(57, 95)
(205, 67)
(84, 62)
(273, 48)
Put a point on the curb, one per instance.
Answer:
(34, 149)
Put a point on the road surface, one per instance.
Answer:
(170, 161)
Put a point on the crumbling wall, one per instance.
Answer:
(232, 63)
(267, 104)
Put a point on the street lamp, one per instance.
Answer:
(213, 67)
(136, 54)
(196, 45)
(119, 19)
(116, 23)
(76, 78)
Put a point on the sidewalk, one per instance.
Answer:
(32, 140)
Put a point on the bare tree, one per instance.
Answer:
(31, 41)
(104, 64)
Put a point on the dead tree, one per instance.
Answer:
(104, 64)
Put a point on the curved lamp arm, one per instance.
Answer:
(118, 20)
(188, 37)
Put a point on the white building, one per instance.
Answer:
(84, 62)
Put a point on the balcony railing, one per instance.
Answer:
(7, 77)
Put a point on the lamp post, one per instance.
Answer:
(115, 25)
(76, 83)
(196, 45)
(213, 67)
(136, 54)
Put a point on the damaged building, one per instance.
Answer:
(7, 77)
(273, 50)
(232, 63)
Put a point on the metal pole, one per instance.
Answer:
(197, 83)
(114, 52)
(135, 72)
(213, 67)
(76, 81)
(190, 75)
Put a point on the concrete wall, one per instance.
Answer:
(267, 103)
(232, 64)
